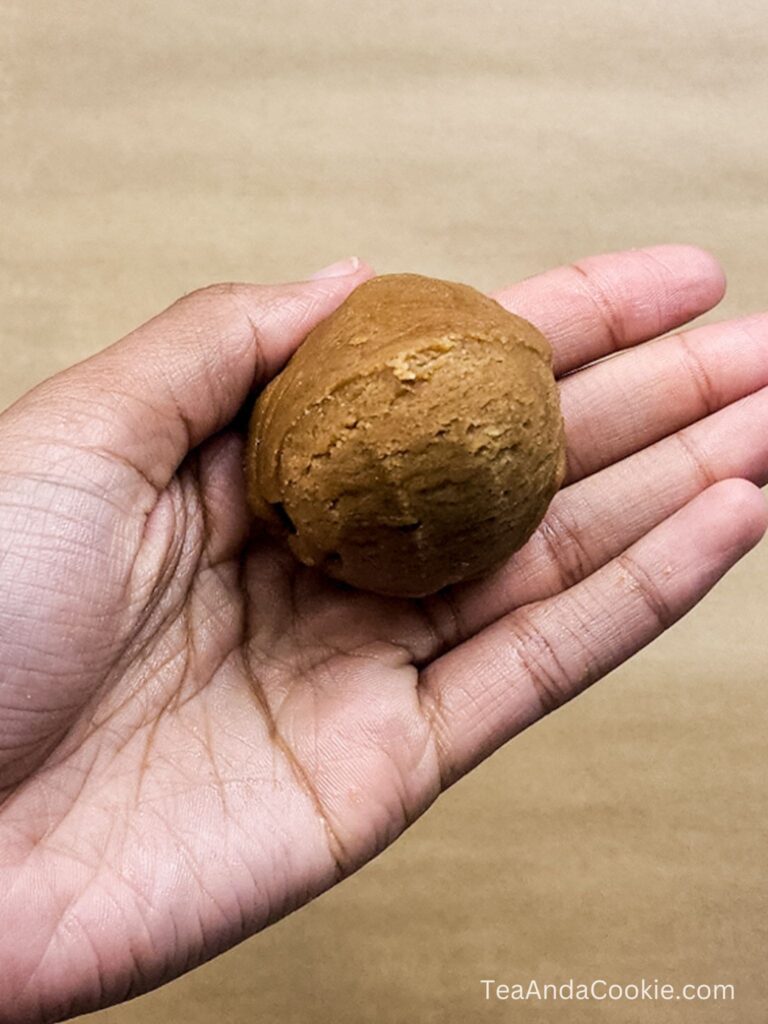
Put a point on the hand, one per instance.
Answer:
(198, 735)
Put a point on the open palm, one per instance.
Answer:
(197, 734)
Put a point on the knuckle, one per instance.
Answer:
(549, 677)
(599, 295)
(700, 378)
(647, 590)
(212, 291)
(216, 294)
(703, 472)
(564, 547)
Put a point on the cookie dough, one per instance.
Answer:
(414, 439)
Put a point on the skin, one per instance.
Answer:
(197, 734)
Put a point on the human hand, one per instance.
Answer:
(197, 734)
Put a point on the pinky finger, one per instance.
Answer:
(536, 658)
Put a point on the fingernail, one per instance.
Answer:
(339, 269)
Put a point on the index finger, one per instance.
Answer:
(602, 304)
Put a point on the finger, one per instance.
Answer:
(622, 404)
(592, 521)
(542, 655)
(150, 398)
(610, 302)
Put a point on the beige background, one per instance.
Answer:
(151, 147)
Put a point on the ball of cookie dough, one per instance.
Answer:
(414, 439)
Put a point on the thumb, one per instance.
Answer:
(151, 397)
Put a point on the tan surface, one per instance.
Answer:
(153, 147)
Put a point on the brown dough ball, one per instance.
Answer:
(413, 440)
